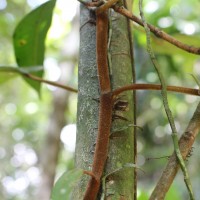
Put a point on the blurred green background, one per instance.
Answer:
(24, 118)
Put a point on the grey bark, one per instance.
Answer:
(87, 110)
(121, 152)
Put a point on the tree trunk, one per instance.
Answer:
(120, 184)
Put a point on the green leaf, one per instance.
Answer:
(29, 39)
(174, 193)
(142, 195)
(64, 186)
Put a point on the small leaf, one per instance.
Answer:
(64, 186)
(29, 39)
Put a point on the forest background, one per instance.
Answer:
(25, 119)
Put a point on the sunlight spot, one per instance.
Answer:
(68, 137)
(30, 157)
(67, 11)
(56, 30)
(10, 108)
(62, 16)
(33, 175)
(35, 3)
(62, 191)
(181, 108)
(189, 28)
(19, 149)
(151, 77)
(151, 6)
(159, 131)
(140, 146)
(140, 160)
(139, 192)
(52, 71)
(165, 22)
(24, 155)
(3, 4)
(18, 134)
(31, 108)
(156, 103)
(15, 186)
(2, 152)
(21, 184)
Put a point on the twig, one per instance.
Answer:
(166, 105)
(158, 32)
(143, 86)
(26, 74)
(36, 78)
(185, 144)
(106, 6)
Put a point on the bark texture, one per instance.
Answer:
(119, 184)
(87, 111)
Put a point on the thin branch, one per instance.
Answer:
(106, 6)
(26, 74)
(36, 78)
(185, 144)
(166, 106)
(143, 86)
(157, 32)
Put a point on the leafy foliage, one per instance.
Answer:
(64, 186)
(29, 39)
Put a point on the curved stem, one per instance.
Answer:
(143, 86)
(157, 32)
(36, 78)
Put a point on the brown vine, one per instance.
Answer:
(143, 86)
(158, 32)
(105, 107)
